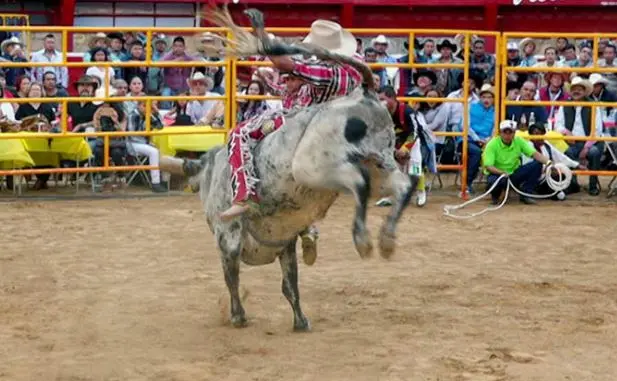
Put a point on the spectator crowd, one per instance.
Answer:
(199, 80)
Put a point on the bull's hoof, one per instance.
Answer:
(364, 246)
(387, 244)
(239, 321)
(302, 325)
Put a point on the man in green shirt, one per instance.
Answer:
(502, 156)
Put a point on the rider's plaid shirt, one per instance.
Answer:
(328, 80)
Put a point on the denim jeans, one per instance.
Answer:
(525, 178)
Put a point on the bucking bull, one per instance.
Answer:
(345, 145)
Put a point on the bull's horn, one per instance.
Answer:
(172, 165)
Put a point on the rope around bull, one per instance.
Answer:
(557, 185)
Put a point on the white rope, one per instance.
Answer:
(557, 185)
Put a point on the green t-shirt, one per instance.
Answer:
(503, 157)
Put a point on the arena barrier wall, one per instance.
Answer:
(231, 98)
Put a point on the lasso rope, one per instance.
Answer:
(557, 185)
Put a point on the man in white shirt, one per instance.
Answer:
(51, 55)
(576, 121)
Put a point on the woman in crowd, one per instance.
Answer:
(436, 116)
(136, 89)
(251, 108)
(177, 116)
(101, 55)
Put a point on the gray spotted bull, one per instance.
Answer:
(345, 145)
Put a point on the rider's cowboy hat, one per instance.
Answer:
(584, 83)
(331, 36)
(11, 41)
(209, 43)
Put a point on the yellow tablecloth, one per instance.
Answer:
(13, 154)
(40, 152)
(169, 145)
(553, 137)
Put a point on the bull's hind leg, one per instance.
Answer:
(289, 267)
(402, 188)
(229, 242)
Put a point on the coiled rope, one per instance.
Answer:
(557, 185)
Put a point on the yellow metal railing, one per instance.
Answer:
(17, 18)
(231, 66)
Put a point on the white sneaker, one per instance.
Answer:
(421, 198)
(384, 202)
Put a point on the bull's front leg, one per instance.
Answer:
(289, 268)
(402, 186)
(229, 242)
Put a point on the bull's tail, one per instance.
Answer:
(184, 167)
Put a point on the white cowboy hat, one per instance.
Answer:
(11, 41)
(330, 35)
(584, 83)
(486, 88)
(596, 78)
(381, 39)
(526, 41)
(200, 77)
(100, 93)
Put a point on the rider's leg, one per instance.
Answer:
(243, 179)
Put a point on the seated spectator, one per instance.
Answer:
(22, 86)
(405, 76)
(561, 45)
(608, 60)
(177, 116)
(569, 57)
(140, 145)
(121, 87)
(136, 89)
(81, 113)
(51, 55)
(99, 41)
(28, 109)
(424, 80)
(455, 117)
(555, 155)
(136, 53)
(117, 53)
(6, 109)
(554, 91)
(481, 63)
(200, 85)
(370, 57)
(585, 58)
(550, 61)
(52, 90)
(576, 121)
(528, 48)
(447, 79)
(502, 156)
(176, 78)
(12, 51)
(101, 55)
(426, 51)
(109, 117)
(525, 115)
(481, 127)
(513, 90)
(436, 116)
(251, 108)
(210, 49)
(381, 45)
(601, 94)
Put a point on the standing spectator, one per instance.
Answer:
(117, 53)
(427, 50)
(100, 40)
(176, 78)
(381, 44)
(141, 144)
(528, 48)
(52, 90)
(136, 54)
(481, 62)
(576, 121)
(608, 60)
(101, 55)
(155, 74)
(12, 51)
(447, 79)
(50, 54)
(550, 60)
(502, 156)
(200, 85)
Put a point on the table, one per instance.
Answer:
(169, 145)
(39, 152)
(553, 137)
(13, 155)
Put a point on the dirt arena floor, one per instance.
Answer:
(130, 290)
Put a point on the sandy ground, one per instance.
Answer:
(130, 290)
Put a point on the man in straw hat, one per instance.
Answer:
(576, 121)
(327, 80)
(502, 157)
